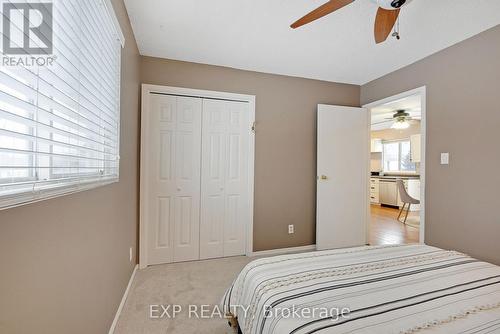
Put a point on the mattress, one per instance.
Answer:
(382, 289)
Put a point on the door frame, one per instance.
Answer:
(422, 91)
(147, 89)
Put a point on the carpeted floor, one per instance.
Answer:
(190, 283)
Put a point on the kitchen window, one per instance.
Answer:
(60, 123)
(397, 156)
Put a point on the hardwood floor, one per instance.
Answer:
(386, 230)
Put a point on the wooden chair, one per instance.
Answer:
(406, 199)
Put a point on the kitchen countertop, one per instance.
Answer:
(395, 177)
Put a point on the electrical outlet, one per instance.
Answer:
(130, 255)
(291, 229)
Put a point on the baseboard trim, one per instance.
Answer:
(280, 251)
(122, 303)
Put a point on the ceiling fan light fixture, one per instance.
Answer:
(400, 125)
(391, 4)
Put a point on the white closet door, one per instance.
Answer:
(236, 220)
(224, 204)
(174, 161)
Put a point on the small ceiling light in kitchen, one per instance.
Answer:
(400, 125)
(401, 120)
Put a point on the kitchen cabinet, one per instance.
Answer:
(374, 191)
(385, 191)
(416, 148)
(376, 146)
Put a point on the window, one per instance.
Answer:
(60, 123)
(397, 157)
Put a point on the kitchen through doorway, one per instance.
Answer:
(397, 169)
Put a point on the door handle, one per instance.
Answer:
(323, 177)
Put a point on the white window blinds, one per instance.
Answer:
(59, 124)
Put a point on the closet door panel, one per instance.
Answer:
(212, 179)
(174, 179)
(188, 176)
(236, 177)
(224, 177)
(161, 182)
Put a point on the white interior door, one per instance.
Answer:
(174, 160)
(224, 188)
(342, 185)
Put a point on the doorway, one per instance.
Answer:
(397, 169)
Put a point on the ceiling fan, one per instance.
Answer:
(401, 120)
(387, 15)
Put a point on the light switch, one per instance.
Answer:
(445, 158)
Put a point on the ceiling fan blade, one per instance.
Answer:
(381, 122)
(384, 23)
(321, 11)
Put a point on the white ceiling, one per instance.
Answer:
(381, 116)
(255, 34)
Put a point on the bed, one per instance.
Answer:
(381, 289)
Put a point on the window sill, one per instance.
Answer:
(16, 200)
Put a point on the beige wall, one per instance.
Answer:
(285, 161)
(64, 263)
(463, 118)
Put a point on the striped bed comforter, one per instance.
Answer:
(385, 289)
